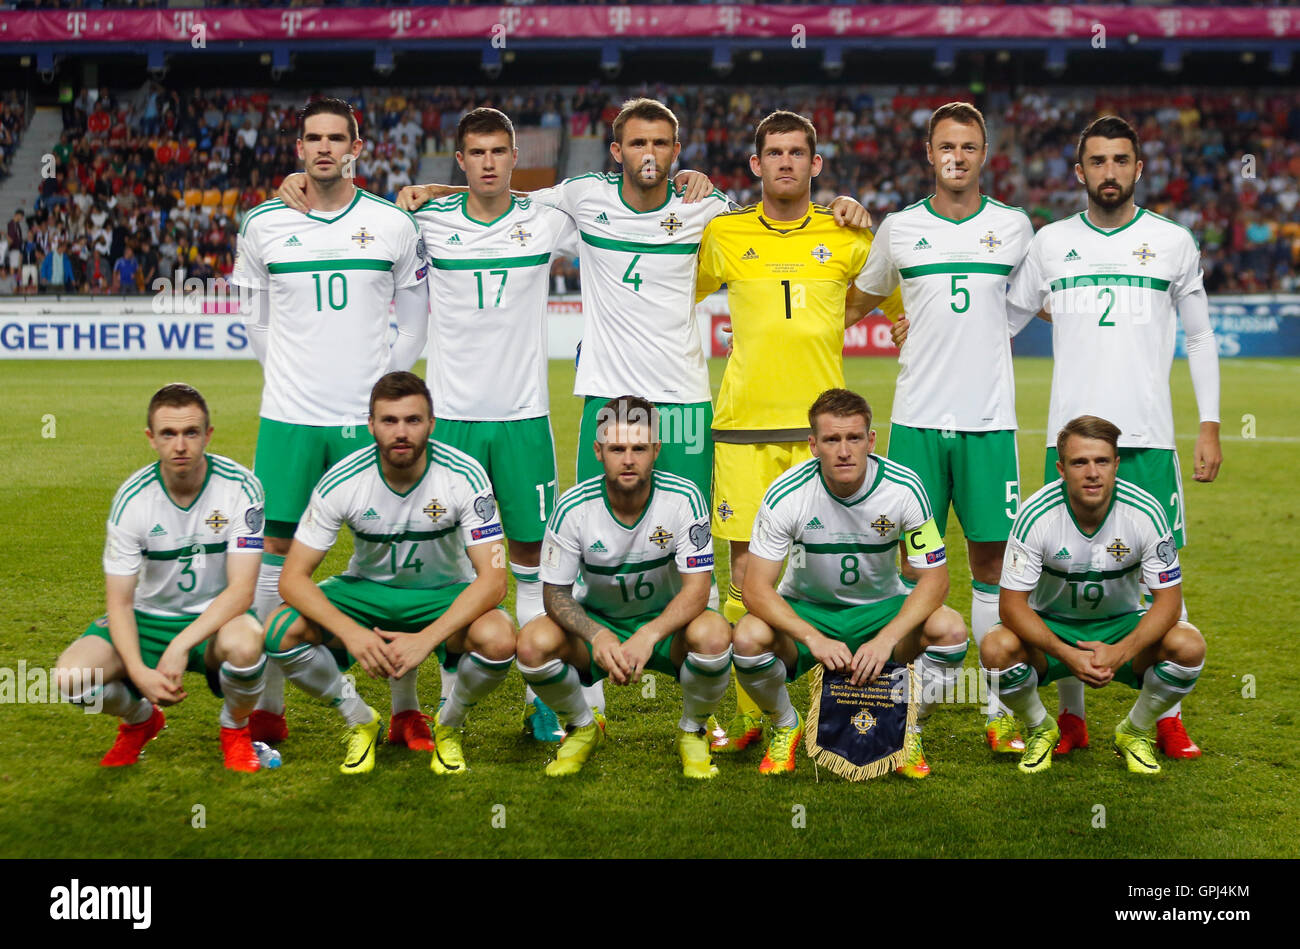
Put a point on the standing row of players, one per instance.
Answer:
(786, 267)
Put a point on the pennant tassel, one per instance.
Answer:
(837, 763)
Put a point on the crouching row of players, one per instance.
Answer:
(428, 572)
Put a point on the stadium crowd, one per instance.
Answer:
(156, 180)
(154, 4)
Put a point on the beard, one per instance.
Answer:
(400, 461)
(634, 175)
(616, 487)
(1110, 204)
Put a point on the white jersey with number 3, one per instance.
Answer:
(955, 371)
(415, 539)
(628, 571)
(179, 553)
(1074, 575)
(487, 330)
(1113, 297)
(845, 550)
(640, 333)
(332, 277)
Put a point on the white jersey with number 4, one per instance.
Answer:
(955, 371)
(332, 277)
(1113, 297)
(179, 553)
(415, 539)
(628, 571)
(1074, 575)
(638, 290)
(845, 550)
(487, 329)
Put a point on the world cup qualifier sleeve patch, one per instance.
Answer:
(485, 507)
(699, 535)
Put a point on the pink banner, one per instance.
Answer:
(201, 27)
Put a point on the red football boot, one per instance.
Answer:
(267, 726)
(131, 740)
(1172, 739)
(1074, 733)
(237, 749)
(411, 728)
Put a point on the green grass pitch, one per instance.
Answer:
(1236, 801)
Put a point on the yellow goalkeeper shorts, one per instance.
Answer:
(741, 476)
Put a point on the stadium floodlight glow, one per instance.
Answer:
(384, 60)
(1172, 60)
(1056, 59)
(945, 58)
(833, 59)
(1281, 61)
(611, 60)
(721, 59)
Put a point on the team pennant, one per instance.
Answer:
(857, 731)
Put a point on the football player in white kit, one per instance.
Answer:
(1115, 279)
(1071, 604)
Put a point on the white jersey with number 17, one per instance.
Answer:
(487, 327)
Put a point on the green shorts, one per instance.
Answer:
(851, 625)
(290, 459)
(1110, 630)
(977, 472)
(519, 458)
(397, 609)
(156, 634)
(1154, 470)
(660, 659)
(686, 431)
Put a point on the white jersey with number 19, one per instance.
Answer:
(332, 277)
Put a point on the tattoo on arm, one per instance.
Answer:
(568, 612)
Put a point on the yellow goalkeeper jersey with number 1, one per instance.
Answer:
(786, 283)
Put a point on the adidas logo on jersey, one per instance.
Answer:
(158, 531)
(749, 255)
(1062, 554)
(598, 548)
(601, 219)
(454, 239)
(1072, 255)
(922, 244)
(370, 515)
(814, 525)
(293, 242)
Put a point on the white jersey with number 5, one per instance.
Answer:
(640, 333)
(415, 539)
(1074, 575)
(628, 571)
(332, 277)
(845, 550)
(955, 371)
(1113, 297)
(487, 328)
(179, 553)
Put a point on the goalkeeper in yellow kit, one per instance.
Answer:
(787, 268)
